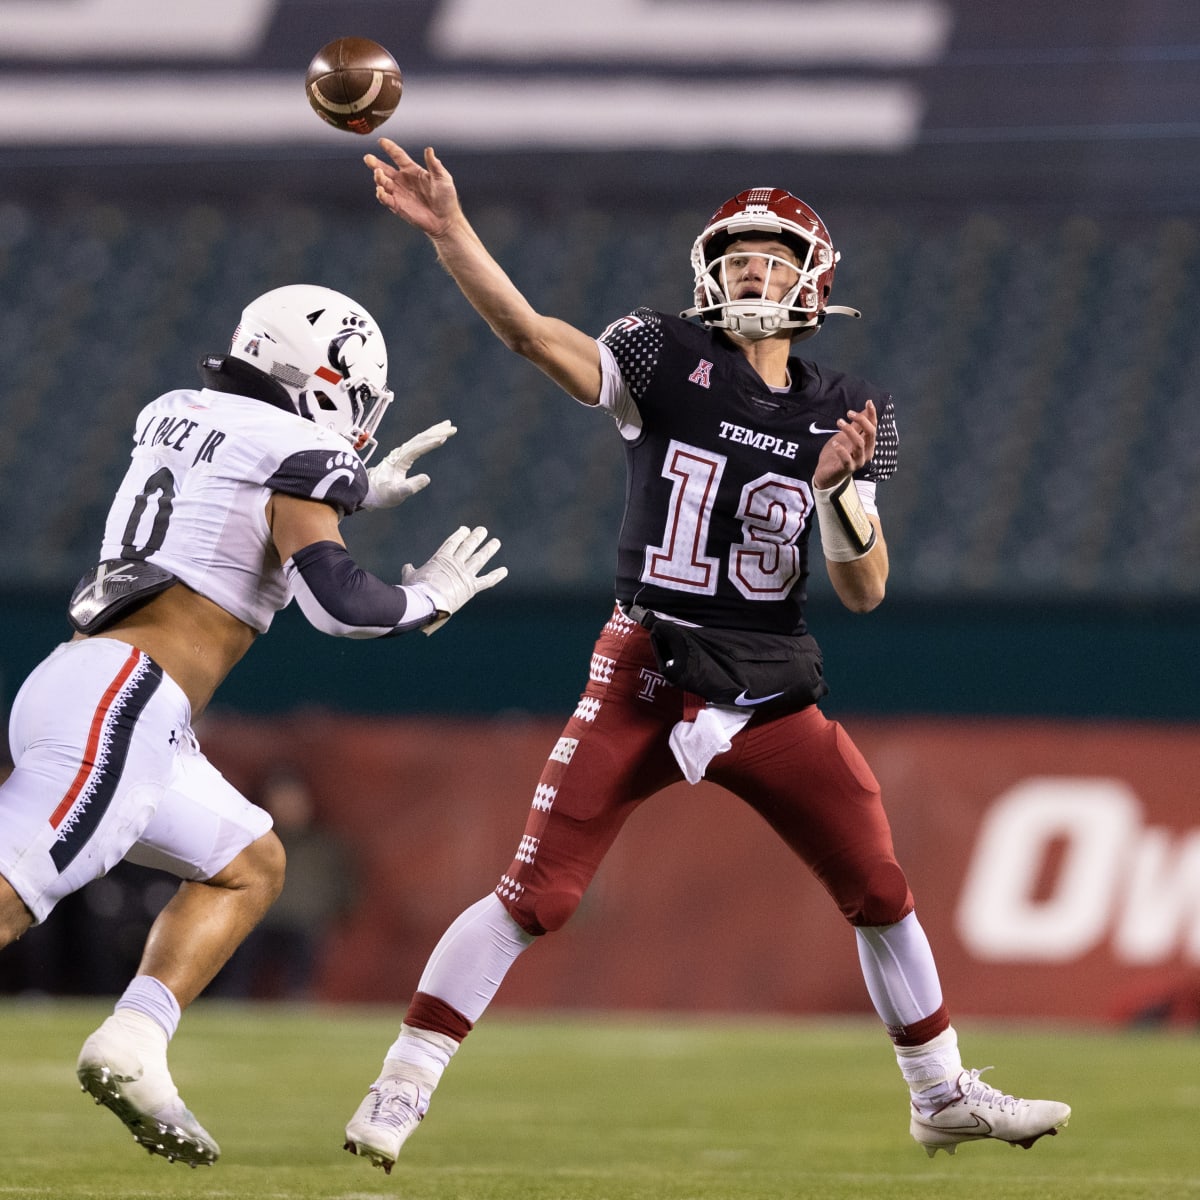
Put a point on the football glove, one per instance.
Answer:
(451, 577)
(390, 483)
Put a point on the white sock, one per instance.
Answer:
(464, 971)
(422, 1048)
(153, 999)
(931, 1071)
(419, 1056)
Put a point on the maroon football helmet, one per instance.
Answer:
(769, 213)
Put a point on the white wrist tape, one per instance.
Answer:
(846, 531)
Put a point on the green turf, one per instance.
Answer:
(598, 1108)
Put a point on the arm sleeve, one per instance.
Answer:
(341, 599)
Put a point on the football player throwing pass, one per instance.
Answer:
(736, 451)
(230, 508)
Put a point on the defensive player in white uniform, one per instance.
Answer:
(736, 449)
(230, 508)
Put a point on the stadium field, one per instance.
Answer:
(604, 1107)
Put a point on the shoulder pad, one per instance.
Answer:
(337, 477)
(636, 341)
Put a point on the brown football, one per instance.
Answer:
(354, 84)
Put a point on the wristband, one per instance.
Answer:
(846, 531)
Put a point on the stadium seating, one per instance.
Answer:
(1045, 371)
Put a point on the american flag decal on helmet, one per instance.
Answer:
(759, 196)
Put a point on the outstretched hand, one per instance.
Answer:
(390, 482)
(424, 196)
(454, 574)
(850, 449)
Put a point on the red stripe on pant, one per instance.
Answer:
(88, 765)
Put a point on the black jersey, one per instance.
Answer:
(719, 503)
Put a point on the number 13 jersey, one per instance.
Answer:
(719, 504)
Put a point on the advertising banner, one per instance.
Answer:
(1056, 868)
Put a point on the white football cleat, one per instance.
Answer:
(382, 1123)
(980, 1111)
(123, 1066)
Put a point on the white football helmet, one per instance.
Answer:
(769, 213)
(327, 354)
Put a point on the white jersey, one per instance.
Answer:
(204, 465)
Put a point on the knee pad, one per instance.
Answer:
(542, 914)
(885, 897)
(555, 909)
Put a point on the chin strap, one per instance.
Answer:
(807, 331)
(714, 312)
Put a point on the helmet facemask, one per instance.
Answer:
(774, 215)
(361, 395)
(325, 352)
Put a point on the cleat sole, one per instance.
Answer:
(1027, 1143)
(156, 1137)
(376, 1160)
(931, 1151)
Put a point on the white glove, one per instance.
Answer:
(389, 480)
(451, 577)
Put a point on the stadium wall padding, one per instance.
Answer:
(513, 651)
(1055, 865)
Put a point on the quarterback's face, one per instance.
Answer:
(750, 272)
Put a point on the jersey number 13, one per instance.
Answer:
(773, 510)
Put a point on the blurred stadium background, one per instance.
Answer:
(1015, 188)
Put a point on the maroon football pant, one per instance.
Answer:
(800, 772)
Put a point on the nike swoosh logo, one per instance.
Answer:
(978, 1126)
(744, 701)
(815, 428)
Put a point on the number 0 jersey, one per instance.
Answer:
(719, 503)
(193, 501)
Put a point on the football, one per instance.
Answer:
(354, 84)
